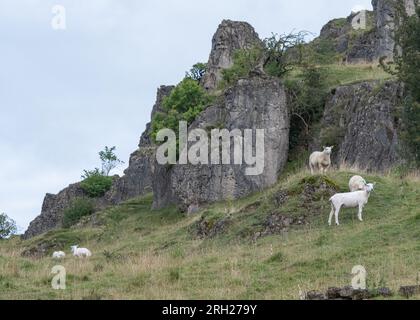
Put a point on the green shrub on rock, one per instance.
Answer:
(79, 208)
(96, 185)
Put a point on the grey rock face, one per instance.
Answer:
(359, 120)
(256, 103)
(229, 37)
(371, 44)
(385, 23)
(385, 15)
(52, 211)
(363, 48)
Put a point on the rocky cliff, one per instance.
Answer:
(255, 103)
(385, 17)
(52, 210)
(229, 37)
(371, 42)
(360, 121)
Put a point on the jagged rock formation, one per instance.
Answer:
(368, 44)
(52, 210)
(353, 45)
(360, 121)
(229, 37)
(385, 15)
(258, 103)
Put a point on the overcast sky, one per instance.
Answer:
(65, 94)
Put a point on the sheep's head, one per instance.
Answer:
(370, 187)
(328, 150)
(73, 248)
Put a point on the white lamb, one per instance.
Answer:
(350, 200)
(80, 252)
(320, 161)
(59, 255)
(357, 183)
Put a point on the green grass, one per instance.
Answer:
(143, 254)
(346, 74)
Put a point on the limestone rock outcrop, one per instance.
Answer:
(385, 16)
(360, 121)
(53, 210)
(229, 37)
(370, 43)
(255, 103)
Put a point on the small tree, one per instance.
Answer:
(7, 226)
(306, 105)
(283, 52)
(109, 160)
(197, 72)
(276, 56)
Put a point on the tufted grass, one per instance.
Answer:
(346, 74)
(144, 254)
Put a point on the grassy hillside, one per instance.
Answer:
(144, 254)
(346, 74)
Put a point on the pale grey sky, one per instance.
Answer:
(64, 95)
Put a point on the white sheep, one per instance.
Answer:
(350, 200)
(58, 255)
(321, 160)
(357, 183)
(80, 252)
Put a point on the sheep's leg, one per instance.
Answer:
(331, 215)
(360, 213)
(337, 211)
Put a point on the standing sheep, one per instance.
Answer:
(350, 200)
(80, 252)
(357, 183)
(321, 161)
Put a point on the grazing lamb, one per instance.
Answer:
(350, 200)
(59, 255)
(357, 183)
(80, 252)
(321, 160)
